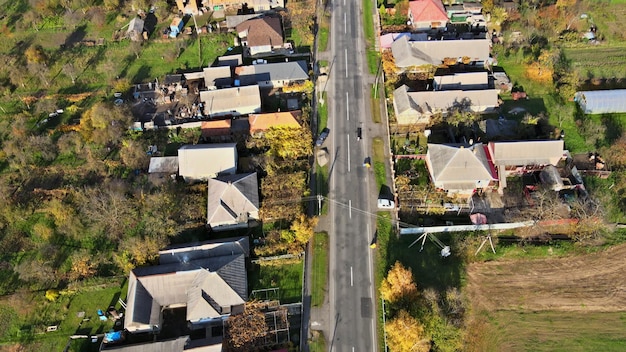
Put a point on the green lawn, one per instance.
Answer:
(91, 296)
(322, 113)
(319, 272)
(378, 156)
(283, 274)
(368, 27)
(321, 174)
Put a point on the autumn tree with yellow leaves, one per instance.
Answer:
(406, 334)
(398, 285)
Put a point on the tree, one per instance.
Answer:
(406, 334)
(398, 285)
(82, 266)
(108, 208)
(301, 230)
(282, 196)
(290, 143)
(105, 123)
(133, 154)
(35, 55)
(243, 332)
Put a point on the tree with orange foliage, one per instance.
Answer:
(399, 284)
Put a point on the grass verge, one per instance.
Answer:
(378, 154)
(321, 174)
(322, 113)
(383, 234)
(318, 342)
(368, 24)
(322, 43)
(375, 102)
(319, 269)
(283, 274)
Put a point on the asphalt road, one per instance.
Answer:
(351, 290)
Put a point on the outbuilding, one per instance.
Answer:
(602, 101)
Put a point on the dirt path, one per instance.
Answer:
(587, 282)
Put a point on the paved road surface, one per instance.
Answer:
(352, 306)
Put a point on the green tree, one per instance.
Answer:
(290, 143)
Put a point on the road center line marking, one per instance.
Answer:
(350, 208)
(345, 23)
(346, 52)
(351, 277)
(347, 107)
(348, 138)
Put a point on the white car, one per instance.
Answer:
(385, 204)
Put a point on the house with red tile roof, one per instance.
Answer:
(427, 14)
(260, 123)
(216, 128)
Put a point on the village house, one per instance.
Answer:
(418, 107)
(233, 202)
(425, 15)
(260, 35)
(408, 54)
(231, 102)
(201, 162)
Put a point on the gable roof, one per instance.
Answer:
(208, 286)
(442, 100)
(136, 25)
(526, 152)
(263, 122)
(216, 128)
(204, 161)
(232, 199)
(261, 31)
(458, 165)
(234, 20)
(280, 71)
(428, 11)
(166, 164)
(207, 249)
(432, 52)
(175, 345)
(230, 99)
(463, 80)
(218, 76)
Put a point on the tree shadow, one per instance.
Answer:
(142, 74)
(76, 36)
(613, 131)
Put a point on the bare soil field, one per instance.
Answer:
(572, 303)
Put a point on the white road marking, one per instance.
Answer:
(350, 208)
(345, 23)
(346, 52)
(348, 138)
(347, 107)
(351, 277)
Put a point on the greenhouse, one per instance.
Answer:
(602, 101)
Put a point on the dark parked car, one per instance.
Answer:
(359, 133)
(322, 137)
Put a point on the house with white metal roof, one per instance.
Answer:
(233, 201)
(232, 102)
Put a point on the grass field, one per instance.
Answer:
(322, 113)
(600, 61)
(319, 272)
(283, 274)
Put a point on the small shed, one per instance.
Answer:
(135, 29)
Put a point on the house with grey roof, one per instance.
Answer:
(233, 201)
(461, 81)
(231, 102)
(135, 29)
(520, 157)
(273, 75)
(217, 77)
(408, 54)
(192, 291)
(418, 107)
(201, 162)
(460, 170)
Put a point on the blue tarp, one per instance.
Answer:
(111, 337)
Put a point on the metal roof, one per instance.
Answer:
(232, 199)
(602, 101)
